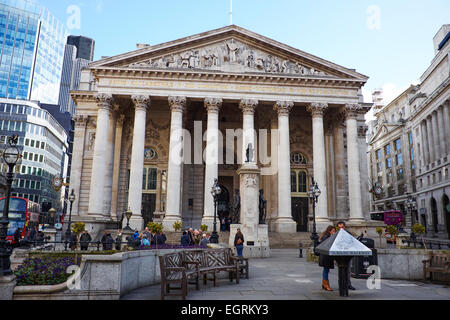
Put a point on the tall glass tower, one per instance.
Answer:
(32, 49)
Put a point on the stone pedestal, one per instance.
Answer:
(256, 236)
(50, 233)
(7, 284)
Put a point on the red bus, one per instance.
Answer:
(23, 214)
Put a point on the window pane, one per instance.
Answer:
(302, 181)
(144, 178)
(152, 178)
(293, 181)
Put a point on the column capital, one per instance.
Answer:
(317, 109)
(141, 102)
(213, 104)
(177, 103)
(248, 106)
(283, 107)
(104, 100)
(351, 111)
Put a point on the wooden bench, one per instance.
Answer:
(438, 262)
(211, 262)
(176, 271)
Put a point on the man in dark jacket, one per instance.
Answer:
(73, 241)
(185, 240)
(17, 237)
(119, 240)
(85, 239)
(160, 238)
(107, 241)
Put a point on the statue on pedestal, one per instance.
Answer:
(249, 153)
(262, 207)
(236, 207)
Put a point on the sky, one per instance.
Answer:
(391, 42)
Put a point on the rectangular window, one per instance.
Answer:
(32, 144)
(398, 144)
(378, 154)
(34, 171)
(41, 158)
(399, 158)
(22, 183)
(387, 149)
(152, 176)
(28, 170)
(27, 184)
(27, 142)
(25, 155)
(379, 166)
(36, 157)
(410, 138)
(33, 185)
(24, 168)
(399, 174)
(388, 163)
(38, 185)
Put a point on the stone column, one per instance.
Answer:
(116, 170)
(141, 104)
(213, 106)
(445, 109)
(284, 222)
(442, 137)
(77, 160)
(248, 107)
(430, 140)
(317, 110)
(339, 167)
(173, 203)
(423, 142)
(109, 169)
(158, 191)
(436, 143)
(99, 161)
(354, 174)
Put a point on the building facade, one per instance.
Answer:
(420, 118)
(156, 126)
(78, 53)
(43, 145)
(32, 48)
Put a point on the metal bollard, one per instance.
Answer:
(300, 246)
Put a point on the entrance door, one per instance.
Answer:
(300, 213)
(446, 209)
(148, 207)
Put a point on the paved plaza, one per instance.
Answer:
(285, 276)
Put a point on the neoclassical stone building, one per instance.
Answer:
(156, 126)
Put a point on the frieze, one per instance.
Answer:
(230, 55)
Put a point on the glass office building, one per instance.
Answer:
(42, 142)
(32, 49)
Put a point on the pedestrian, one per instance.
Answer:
(73, 241)
(107, 241)
(144, 242)
(119, 240)
(341, 225)
(205, 240)
(136, 234)
(197, 237)
(160, 238)
(223, 224)
(326, 261)
(185, 240)
(17, 237)
(191, 236)
(239, 242)
(147, 233)
(85, 238)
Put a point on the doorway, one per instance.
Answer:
(148, 207)
(446, 210)
(300, 213)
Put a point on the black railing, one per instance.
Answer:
(428, 243)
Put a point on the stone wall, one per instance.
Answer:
(105, 277)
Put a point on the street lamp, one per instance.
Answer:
(11, 156)
(313, 194)
(71, 199)
(411, 204)
(215, 191)
(128, 214)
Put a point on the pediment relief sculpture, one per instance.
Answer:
(229, 55)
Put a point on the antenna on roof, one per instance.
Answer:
(231, 12)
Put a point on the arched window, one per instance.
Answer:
(299, 182)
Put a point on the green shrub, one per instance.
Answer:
(204, 227)
(380, 231)
(78, 227)
(155, 227)
(177, 225)
(418, 228)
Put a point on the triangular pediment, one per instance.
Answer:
(230, 49)
(383, 130)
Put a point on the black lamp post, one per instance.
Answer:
(128, 214)
(10, 156)
(412, 205)
(71, 199)
(313, 194)
(215, 191)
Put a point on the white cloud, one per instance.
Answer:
(367, 94)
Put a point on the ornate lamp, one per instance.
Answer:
(313, 194)
(215, 191)
(128, 214)
(411, 204)
(72, 198)
(11, 156)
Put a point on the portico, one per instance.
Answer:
(167, 120)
